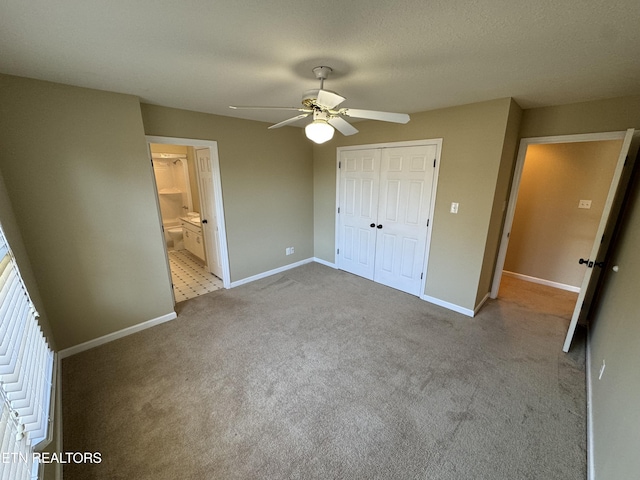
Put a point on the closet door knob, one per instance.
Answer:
(205, 221)
(380, 226)
(372, 225)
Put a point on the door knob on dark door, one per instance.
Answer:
(380, 226)
(587, 262)
(372, 225)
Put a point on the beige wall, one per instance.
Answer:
(610, 115)
(267, 185)
(78, 175)
(615, 333)
(550, 233)
(473, 144)
(500, 199)
(615, 336)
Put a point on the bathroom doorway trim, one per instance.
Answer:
(217, 191)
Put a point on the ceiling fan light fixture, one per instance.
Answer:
(319, 131)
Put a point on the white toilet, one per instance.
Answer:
(175, 233)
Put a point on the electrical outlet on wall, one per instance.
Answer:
(454, 207)
(289, 251)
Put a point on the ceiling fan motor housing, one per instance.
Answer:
(310, 97)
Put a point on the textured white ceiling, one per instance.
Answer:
(405, 56)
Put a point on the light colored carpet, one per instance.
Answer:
(318, 374)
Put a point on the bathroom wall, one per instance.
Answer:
(172, 185)
(191, 162)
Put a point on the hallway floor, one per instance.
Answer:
(541, 298)
(190, 279)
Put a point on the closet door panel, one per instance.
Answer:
(358, 203)
(406, 177)
(384, 202)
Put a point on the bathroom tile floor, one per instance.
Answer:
(189, 276)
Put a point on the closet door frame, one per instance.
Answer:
(427, 142)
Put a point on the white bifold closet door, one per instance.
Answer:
(384, 205)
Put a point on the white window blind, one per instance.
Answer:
(26, 374)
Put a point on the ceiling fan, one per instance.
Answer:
(323, 105)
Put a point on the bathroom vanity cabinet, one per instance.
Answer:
(193, 240)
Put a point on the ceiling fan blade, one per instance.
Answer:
(298, 109)
(344, 127)
(290, 120)
(374, 115)
(329, 99)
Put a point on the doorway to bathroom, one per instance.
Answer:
(189, 194)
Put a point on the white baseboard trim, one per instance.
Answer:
(450, 306)
(253, 278)
(325, 263)
(591, 472)
(541, 281)
(67, 352)
(482, 302)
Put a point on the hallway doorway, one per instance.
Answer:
(562, 194)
